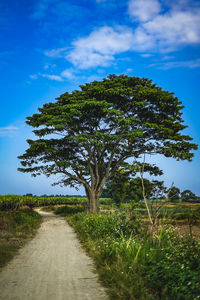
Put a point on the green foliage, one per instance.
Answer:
(134, 265)
(123, 188)
(187, 195)
(175, 271)
(106, 225)
(174, 194)
(69, 210)
(87, 134)
(192, 215)
(13, 202)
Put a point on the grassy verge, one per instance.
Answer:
(135, 265)
(16, 227)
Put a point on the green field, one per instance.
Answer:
(11, 202)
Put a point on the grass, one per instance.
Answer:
(69, 209)
(16, 227)
(133, 264)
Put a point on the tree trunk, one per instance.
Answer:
(93, 197)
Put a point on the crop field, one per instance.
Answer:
(12, 202)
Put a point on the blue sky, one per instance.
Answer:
(52, 46)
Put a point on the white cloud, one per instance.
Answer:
(170, 30)
(157, 31)
(68, 73)
(146, 55)
(56, 52)
(143, 10)
(167, 31)
(49, 66)
(191, 64)
(52, 77)
(84, 59)
(8, 130)
(129, 70)
(99, 48)
(48, 76)
(142, 41)
(33, 76)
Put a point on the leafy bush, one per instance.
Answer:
(175, 271)
(159, 266)
(103, 225)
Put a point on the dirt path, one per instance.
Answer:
(52, 266)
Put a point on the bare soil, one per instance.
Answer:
(51, 266)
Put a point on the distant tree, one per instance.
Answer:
(159, 190)
(122, 188)
(188, 195)
(174, 194)
(29, 195)
(87, 134)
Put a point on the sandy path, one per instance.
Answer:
(52, 266)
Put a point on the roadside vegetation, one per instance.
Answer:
(134, 262)
(16, 227)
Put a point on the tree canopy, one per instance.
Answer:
(123, 189)
(87, 134)
(188, 195)
(174, 194)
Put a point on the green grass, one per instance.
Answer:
(16, 227)
(69, 209)
(133, 264)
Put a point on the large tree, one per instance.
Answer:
(87, 134)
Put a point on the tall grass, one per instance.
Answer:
(136, 265)
(15, 228)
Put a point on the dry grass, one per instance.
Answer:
(16, 228)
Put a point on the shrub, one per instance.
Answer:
(136, 266)
(69, 210)
(175, 271)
